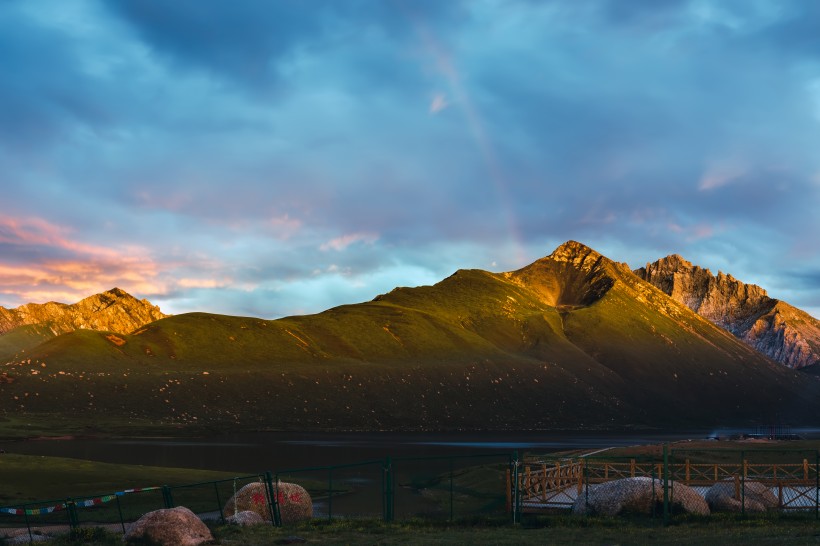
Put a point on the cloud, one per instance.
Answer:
(42, 260)
(341, 243)
(720, 175)
(212, 151)
(438, 103)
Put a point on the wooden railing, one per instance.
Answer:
(547, 485)
(556, 485)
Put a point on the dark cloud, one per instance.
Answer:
(39, 87)
(287, 156)
(252, 42)
(807, 280)
(792, 32)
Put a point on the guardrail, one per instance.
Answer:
(546, 485)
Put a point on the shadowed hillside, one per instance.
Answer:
(572, 341)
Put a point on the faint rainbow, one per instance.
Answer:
(477, 129)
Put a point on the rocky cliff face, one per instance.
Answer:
(773, 327)
(113, 311)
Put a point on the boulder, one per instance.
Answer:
(295, 503)
(755, 496)
(169, 527)
(245, 518)
(638, 496)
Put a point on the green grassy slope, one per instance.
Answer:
(572, 340)
(23, 338)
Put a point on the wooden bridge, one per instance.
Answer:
(547, 486)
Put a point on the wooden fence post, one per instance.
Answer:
(509, 492)
(582, 465)
(544, 483)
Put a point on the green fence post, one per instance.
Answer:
(28, 524)
(451, 489)
(273, 499)
(516, 490)
(119, 511)
(665, 484)
(330, 493)
(73, 520)
(219, 502)
(586, 486)
(654, 493)
(166, 497)
(817, 484)
(743, 483)
(384, 495)
(388, 489)
(277, 512)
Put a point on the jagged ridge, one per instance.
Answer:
(112, 311)
(773, 327)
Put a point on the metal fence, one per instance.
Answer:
(389, 489)
(499, 485)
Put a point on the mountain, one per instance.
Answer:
(773, 327)
(113, 311)
(572, 341)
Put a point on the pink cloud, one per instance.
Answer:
(341, 243)
(68, 269)
(720, 175)
(700, 231)
(203, 283)
(438, 103)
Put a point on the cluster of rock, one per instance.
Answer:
(294, 502)
(755, 497)
(640, 495)
(249, 506)
(773, 327)
(169, 527)
(111, 311)
(644, 495)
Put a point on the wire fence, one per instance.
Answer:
(444, 487)
(499, 485)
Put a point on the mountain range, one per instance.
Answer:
(572, 341)
(113, 311)
(773, 327)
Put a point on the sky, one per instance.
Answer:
(271, 158)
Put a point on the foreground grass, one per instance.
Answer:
(553, 530)
(30, 477)
(556, 531)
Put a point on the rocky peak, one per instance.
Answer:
(574, 275)
(575, 253)
(114, 310)
(782, 332)
(720, 298)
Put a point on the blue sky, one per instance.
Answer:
(270, 158)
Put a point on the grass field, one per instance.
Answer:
(555, 531)
(696, 451)
(26, 477)
(560, 530)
